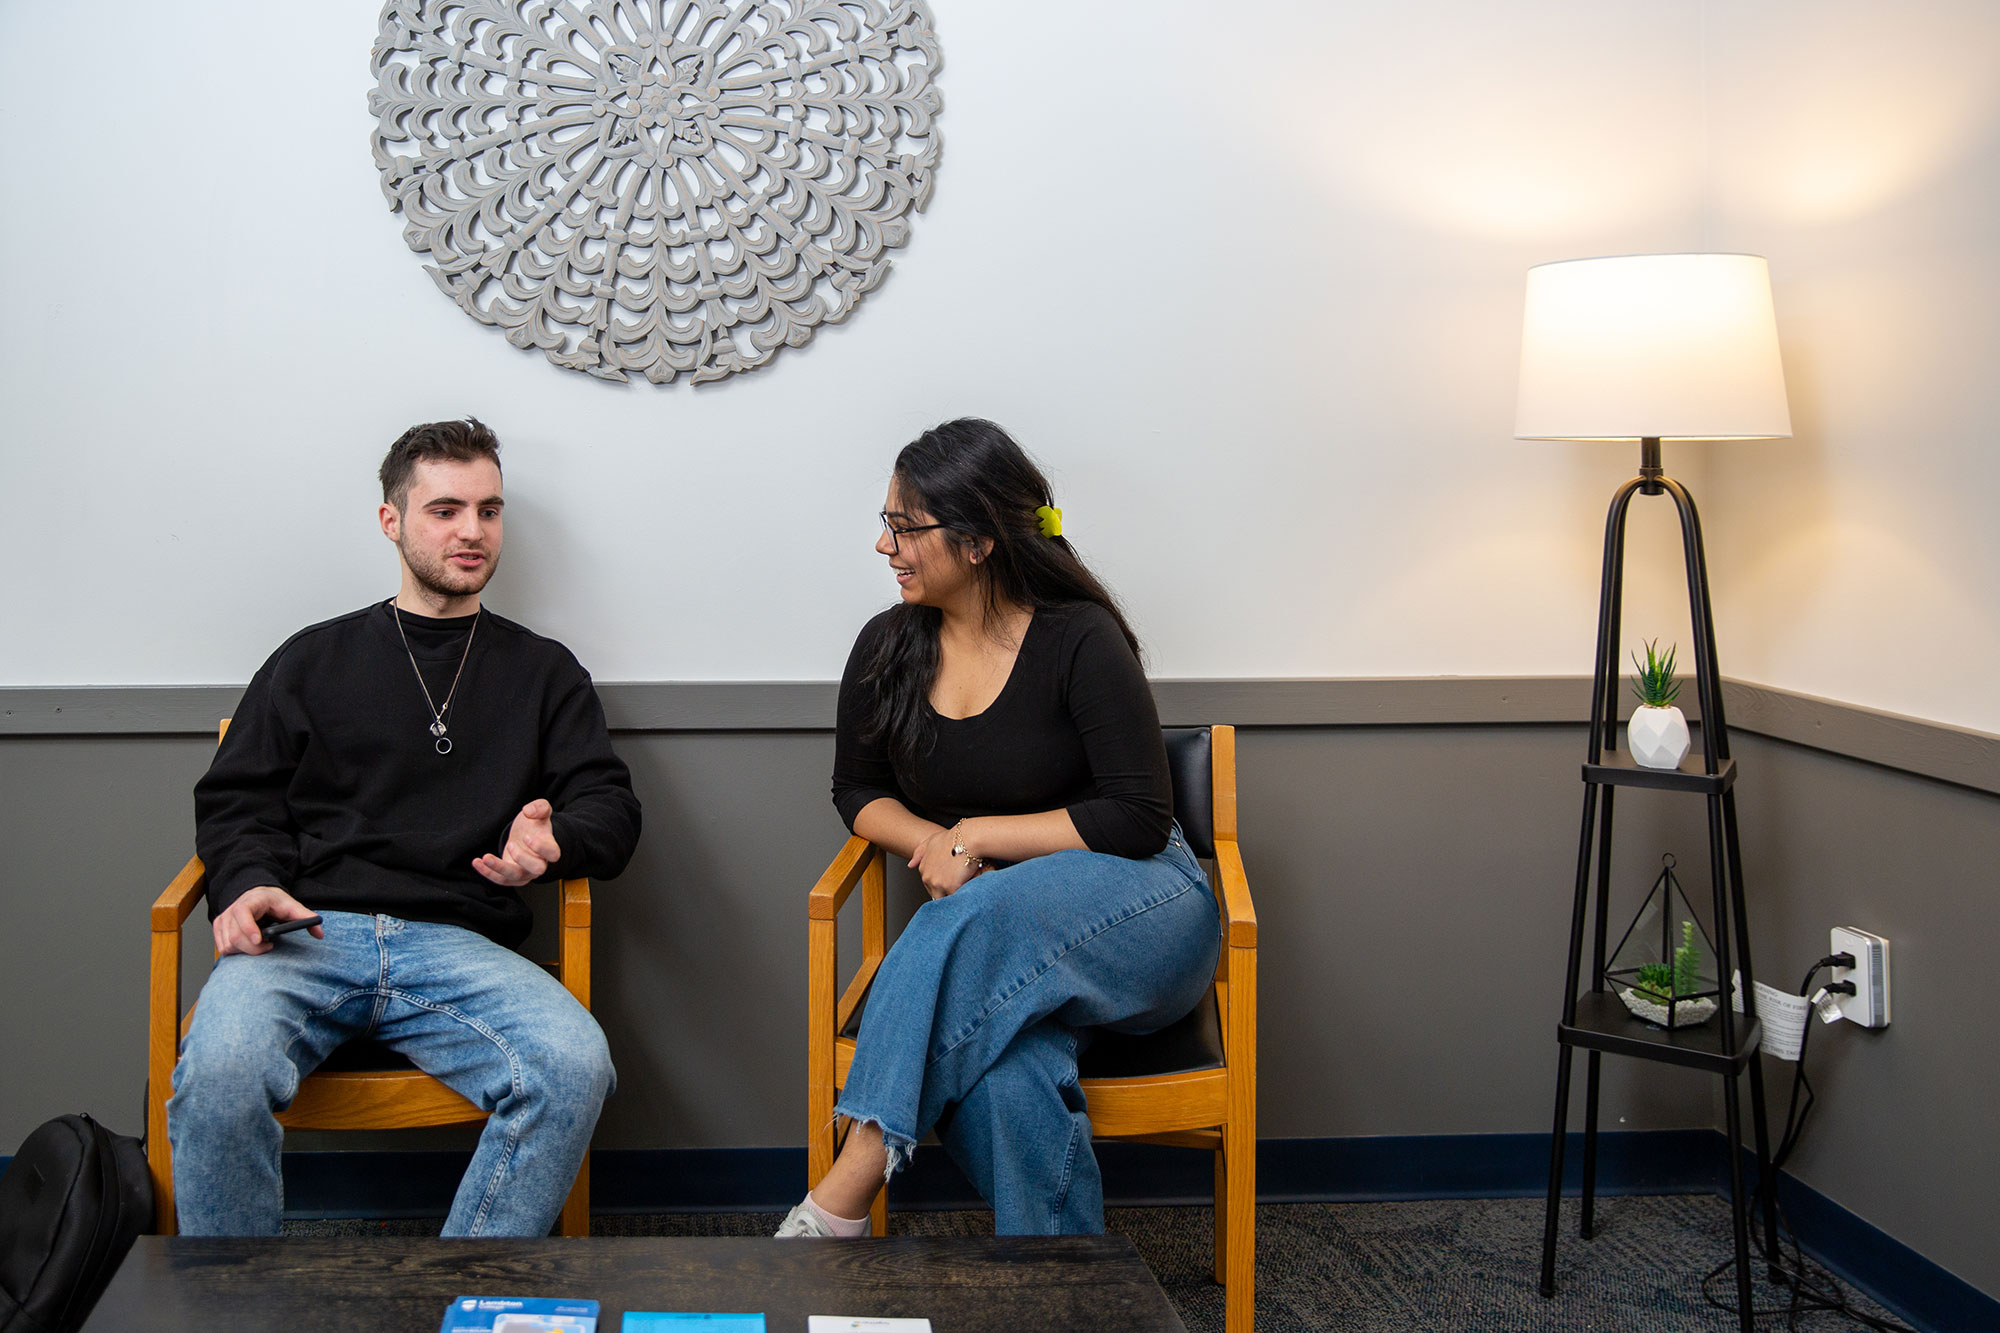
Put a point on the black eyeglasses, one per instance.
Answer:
(897, 534)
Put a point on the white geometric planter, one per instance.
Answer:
(1657, 737)
(1686, 1014)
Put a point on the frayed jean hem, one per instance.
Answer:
(898, 1148)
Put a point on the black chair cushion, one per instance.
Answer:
(1193, 1043)
(363, 1057)
(1188, 759)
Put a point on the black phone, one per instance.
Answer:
(273, 929)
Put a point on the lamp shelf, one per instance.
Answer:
(1616, 768)
(1603, 1023)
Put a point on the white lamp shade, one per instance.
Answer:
(1673, 346)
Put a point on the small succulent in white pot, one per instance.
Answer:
(1657, 735)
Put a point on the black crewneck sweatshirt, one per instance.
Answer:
(1073, 728)
(329, 784)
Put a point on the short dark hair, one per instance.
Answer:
(457, 441)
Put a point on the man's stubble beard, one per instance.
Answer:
(439, 578)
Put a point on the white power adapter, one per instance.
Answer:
(1869, 1005)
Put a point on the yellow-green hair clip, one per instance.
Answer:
(1050, 519)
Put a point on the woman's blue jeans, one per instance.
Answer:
(485, 1021)
(976, 1018)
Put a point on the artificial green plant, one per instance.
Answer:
(1655, 685)
(1679, 976)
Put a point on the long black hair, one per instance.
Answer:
(970, 476)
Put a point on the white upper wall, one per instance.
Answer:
(1249, 286)
(1247, 281)
(1857, 146)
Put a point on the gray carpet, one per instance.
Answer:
(1446, 1266)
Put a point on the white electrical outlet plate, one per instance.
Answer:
(1869, 1005)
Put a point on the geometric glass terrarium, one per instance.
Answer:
(1664, 967)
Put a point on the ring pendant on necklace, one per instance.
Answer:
(437, 727)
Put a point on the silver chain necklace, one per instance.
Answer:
(438, 727)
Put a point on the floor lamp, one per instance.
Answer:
(1649, 348)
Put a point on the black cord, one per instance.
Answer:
(1814, 1289)
(1795, 1116)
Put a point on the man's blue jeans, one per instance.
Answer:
(485, 1021)
(972, 1025)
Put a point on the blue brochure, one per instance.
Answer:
(518, 1314)
(638, 1321)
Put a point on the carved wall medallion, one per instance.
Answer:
(663, 186)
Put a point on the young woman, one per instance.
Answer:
(996, 730)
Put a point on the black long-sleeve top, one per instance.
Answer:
(1074, 728)
(329, 784)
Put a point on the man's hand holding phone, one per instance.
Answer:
(241, 927)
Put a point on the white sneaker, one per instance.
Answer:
(803, 1221)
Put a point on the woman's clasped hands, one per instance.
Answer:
(945, 869)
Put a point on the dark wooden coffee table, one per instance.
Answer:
(1010, 1283)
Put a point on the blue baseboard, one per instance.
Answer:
(1350, 1170)
(1484, 1166)
(1920, 1292)
(1359, 1170)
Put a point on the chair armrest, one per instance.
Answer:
(575, 903)
(573, 939)
(174, 905)
(163, 1011)
(859, 862)
(824, 902)
(1238, 911)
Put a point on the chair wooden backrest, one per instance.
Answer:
(337, 1096)
(1193, 1085)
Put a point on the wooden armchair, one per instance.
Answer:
(362, 1085)
(1193, 1084)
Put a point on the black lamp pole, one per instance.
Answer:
(1732, 938)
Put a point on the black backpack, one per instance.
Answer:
(70, 1203)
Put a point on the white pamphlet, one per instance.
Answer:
(1782, 1014)
(841, 1323)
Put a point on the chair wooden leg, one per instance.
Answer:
(576, 1208)
(823, 1135)
(1221, 1216)
(1240, 1261)
(160, 1165)
(878, 1213)
(160, 1161)
(162, 1053)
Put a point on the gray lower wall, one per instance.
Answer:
(1413, 881)
(1903, 1134)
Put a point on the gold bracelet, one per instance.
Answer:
(958, 848)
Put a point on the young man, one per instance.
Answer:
(399, 772)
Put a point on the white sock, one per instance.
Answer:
(838, 1225)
